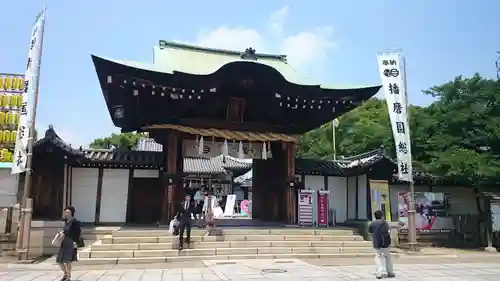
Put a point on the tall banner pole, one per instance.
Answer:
(335, 124)
(412, 224)
(392, 68)
(24, 153)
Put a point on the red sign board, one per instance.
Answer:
(323, 208)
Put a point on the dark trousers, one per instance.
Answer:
(184, 227)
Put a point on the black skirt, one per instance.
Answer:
(67, 252)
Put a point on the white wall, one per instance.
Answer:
(351, 198)
(314, 182)
(84, 193)
(8, 188)
(139, 173)
(362, 195)
(338, 197)
(114, 195)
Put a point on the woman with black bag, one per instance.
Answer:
(71, 240)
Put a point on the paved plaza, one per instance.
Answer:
(278, 270)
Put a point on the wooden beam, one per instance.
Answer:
(98, 195)
(237, 126)
(128, 216)
(357, 200)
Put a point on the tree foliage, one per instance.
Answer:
(456, 137)
(127, 141)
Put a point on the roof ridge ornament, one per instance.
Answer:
(249, 54)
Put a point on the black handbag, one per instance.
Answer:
(80, 243)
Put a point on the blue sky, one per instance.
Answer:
(328, 41)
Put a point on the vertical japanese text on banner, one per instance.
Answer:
(390, 67)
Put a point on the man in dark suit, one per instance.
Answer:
(187, 211)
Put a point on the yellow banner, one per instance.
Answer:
(380, 198)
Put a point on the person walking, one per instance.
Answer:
(381, 239)
(208, 212)
(185, 223)
(70, 236)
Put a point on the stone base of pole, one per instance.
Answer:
(24, 235)
(412, 231)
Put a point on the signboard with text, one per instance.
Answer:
(305, 207)
(323, 207)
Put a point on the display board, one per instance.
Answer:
(380, 199)
(495, 215)
(305, 207)
(323, 208)
(431, 214)
(229, 208)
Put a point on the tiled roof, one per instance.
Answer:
(124, 157)
(51, 138)
(316, 166)
(148, 144)
(215, 165)
(363, 160)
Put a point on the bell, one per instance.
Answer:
(241, 153)
(264, 151)
(200, 146)
(225, 148)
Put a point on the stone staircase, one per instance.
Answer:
(157, 245)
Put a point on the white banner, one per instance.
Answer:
(391, 73)
(30, 82)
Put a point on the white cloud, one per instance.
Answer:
(305, 49)
(309, 47)
(277, 21)
(231, 38)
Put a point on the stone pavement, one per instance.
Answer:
(270, 270)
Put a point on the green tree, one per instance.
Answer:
(456, 137)
(362, 129)
(463, 139)
(126, 141)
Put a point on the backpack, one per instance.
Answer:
(385, 236)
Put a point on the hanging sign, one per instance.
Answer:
(30, 83)
(305, 207)
(323, 207)
(390, 66)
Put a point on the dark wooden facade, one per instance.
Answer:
(231, 96)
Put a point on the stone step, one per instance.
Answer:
(222, 252)
(239, 231)
(111, 239)
(227, 244)
(152, 260)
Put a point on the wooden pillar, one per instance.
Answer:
(289, 189)
(97, 215)
(172, 175)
